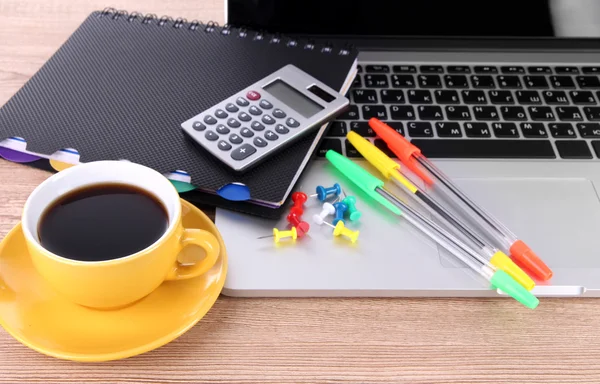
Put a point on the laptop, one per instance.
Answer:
(504, 96)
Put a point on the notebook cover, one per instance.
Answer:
(121, 85)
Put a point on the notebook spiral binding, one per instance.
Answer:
(211, 26)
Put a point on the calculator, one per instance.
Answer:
(253, 124)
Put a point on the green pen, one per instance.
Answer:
(374, 188)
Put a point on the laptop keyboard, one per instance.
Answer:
(477, 111)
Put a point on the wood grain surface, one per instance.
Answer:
(297, 340)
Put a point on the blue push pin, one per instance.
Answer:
(323, 192)
(340, 209)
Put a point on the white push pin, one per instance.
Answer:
(328, 209)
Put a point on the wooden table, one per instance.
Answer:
(297, 340)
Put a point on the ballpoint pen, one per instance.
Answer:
(412, 158)
(390, 170)
(374, 188)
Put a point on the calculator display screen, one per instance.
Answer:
(293, 98)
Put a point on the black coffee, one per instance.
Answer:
(102, 222)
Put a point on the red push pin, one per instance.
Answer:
(302, 227)
(299, 198)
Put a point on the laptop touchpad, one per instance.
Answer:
(558, 218)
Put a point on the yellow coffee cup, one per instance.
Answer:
(117, 282)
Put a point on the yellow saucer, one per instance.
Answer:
(36, 316)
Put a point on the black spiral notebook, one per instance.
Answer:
(122, 84)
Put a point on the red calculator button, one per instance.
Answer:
(253, 95)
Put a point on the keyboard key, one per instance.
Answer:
(364, 96)
(513, 113)
(535, 70)
(221, 129)
(382, 146)
(485, 149)
(541, 113)
(501, 97)
(569, 114)
(336, 128)
(350, 114)
(402, 112)
(327, 144)
(233, 123)
(582, 97)
(474, 97)
(235, 139)
(221, 114)
(362, 128)
(596, 146)
(448, 129)
(528, 97)
(404, 69)
(260, 142)
(555, 97)
(224, 146)
(485, 69)
(512, 69)
(429, 81)
(590, 69)
(198, 126)
(483, 81)
(377, 111)
(419, 97)
(570, 70)
(403, 81)
(211, 136)
(255, 125)
(210, 120)
(446, 97)
(254, 110)
(477, 130)
(243, 116)
(458, 113)
(351, 151)
(458, 69)
(431, 69)
(589, 130)
(357, 82)
(394, 96)
(246, 132)
(271, 136)
(562, 82)
(505, 130)
(242, 152)
(292, 123)
(592, 113)
(486, 113)
(561, 130)
(419, 129)
(396, 126)
(535, 81)
(533, 130)
(230, 107)
(377, 68)
(573, 149)
(588, 81)
(281, 129)
(359, 68)
(376, 81)
(509, 82)
(456, 81)
(430, 112)
(264, 104)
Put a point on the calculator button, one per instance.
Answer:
(253, 95)
(210, 120)
(260, 142)
(278, 113)
(221, 114)
(244, 116)
(270, 135)
(210, 135)
(224, 146)
(257, 126)
(235, 139)
(242, 102)
(246, 132)
(254, 110)
(198, 126)
(240, 153)
(231, 107)
(233, 123)
(268, 119)
(222, 129)
(279, 128)
(264, 104)
(292, 123)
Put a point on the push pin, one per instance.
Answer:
(302, 227)
(341, 230)
(340, 209)
(323, 193)
(278, 235)
(328, 209)
(353, 213)
(299, 198)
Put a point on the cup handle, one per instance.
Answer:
(203, 239)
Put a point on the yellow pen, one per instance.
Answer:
(391, 171)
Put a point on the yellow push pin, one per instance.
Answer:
(278, 235)
(341, 230)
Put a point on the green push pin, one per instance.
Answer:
(353, 213)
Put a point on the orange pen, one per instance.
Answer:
(413, 159)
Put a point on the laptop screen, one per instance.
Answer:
(421, 18)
